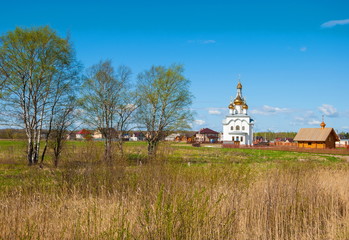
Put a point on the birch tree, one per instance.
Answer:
(106, 102)
(165, 102)
(37, 71)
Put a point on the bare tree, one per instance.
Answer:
(37, 70)
(105, 102)
(165, 101)
(64, 119)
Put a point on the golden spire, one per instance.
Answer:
(239, 86)
(322, 124)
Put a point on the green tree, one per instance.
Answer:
(107, 102)
(38, 70)
(165, 103)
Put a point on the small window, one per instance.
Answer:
(237, 138)
(242, 139)
(243, 127)
(237, 127)
(309, 143)
(232, 128)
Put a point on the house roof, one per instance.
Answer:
(315, 134)
(83, 131)
(207, 131)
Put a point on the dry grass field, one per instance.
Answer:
(187, 193)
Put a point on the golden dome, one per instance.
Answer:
(238, 101)
(231, 106)
(239, 86)
(245, 106)
(322, 124)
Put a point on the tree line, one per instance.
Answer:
(43, 86)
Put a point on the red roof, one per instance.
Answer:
(207, 131)
(84, 132)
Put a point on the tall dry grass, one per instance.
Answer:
(87, 199)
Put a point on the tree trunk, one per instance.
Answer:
(30, 152)
(152, 148)
(107, 150)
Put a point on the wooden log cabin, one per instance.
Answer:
(317, 137)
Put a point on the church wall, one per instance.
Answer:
(238, 124)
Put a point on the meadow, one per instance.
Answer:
(186, 193)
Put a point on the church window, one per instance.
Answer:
(237, 127)
(243, 127)
(232, 128)
(242, 139)
(237, 138)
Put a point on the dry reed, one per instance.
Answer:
(88, 199)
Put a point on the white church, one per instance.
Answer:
(238, 125)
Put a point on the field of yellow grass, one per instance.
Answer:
(186, 193)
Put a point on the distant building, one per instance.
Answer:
(187, 137)
(83, 134)
(206, 135)
(317, 137)
(172, 137)
(137, 136)
(101, 132)
(343, 143)
(238, 125)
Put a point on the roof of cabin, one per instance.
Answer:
(315, 134)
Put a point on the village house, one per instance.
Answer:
(83, 134)
(172, 137)
(206, 135)
(136, 136)
(187, 137)
(317, 137)
(100, 133)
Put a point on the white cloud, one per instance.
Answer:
(314, 122)
(328, 110)
(269, 110)
(199, 122)
(303, 49)
(334, 23)
(208, 41)
(214, 112)
(307, 118)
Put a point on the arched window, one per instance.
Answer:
(232, 128)
(242, 139)
(237, 127)
(243, 127)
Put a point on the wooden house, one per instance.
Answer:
(317, 137)
(206, 135)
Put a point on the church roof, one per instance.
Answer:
(315, 134)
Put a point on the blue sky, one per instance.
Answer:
(293, 56)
